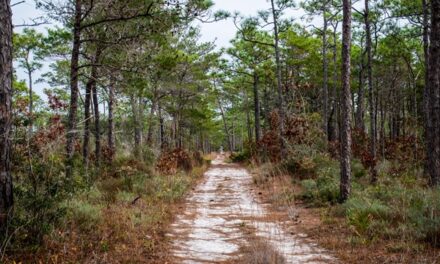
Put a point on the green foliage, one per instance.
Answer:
(323, 190)
(240, 156)
(324, 187)
(38, 195)
(361, 214)
(395, 211)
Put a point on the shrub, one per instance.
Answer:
(171, 162)
(321, 191)
(239, 157)
(38, 194)
(395, 211)
(309, 190)
(362, 212)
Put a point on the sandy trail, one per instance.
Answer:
(209, 230)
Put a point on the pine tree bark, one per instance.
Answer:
(332, 122)
(427, 119)
(434, 94)
(74, 90)
(325, 70)
(345, 159)
(6, 195)
(90, 85)
(373, 133)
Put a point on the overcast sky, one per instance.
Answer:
(220, 32)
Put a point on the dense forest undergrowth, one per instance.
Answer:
(393, 221)
(118, 215)
(110, 114)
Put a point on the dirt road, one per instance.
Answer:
(214, 227)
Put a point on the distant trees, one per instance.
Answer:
(29, 51)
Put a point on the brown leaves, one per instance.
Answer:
(296, 130)
(54, 132)
(361, 148)
(171, 162)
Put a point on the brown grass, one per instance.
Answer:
(260, 252)
(257, 251)
(128, 230)
(328, 227)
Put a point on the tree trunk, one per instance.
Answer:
(325, 70)
(73, 106)
(137, 126)
(373, 133)
(434, 94)
(150, 123)
(247, 109)
(225, 126)
(332, 132)
(6, 195)
(427, 119)
(279, 81)
(150, 118)
(91, 84)
(162, 129)
(97, 125)
(111, 124)
(86, 136)
(257, 109)
(345, 158)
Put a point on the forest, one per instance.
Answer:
(312, 137)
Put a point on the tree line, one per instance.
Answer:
(134, 78)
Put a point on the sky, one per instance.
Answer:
(220, 32)
(225, 30)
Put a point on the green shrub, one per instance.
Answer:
(239, 157)
(323, 190)
(309, 190)
(37, 198)
(362, 212)
(328, 189)
(395, 211)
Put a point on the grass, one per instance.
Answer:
(256, 250)
(121, 218)
(259, 252)
(395, 221)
